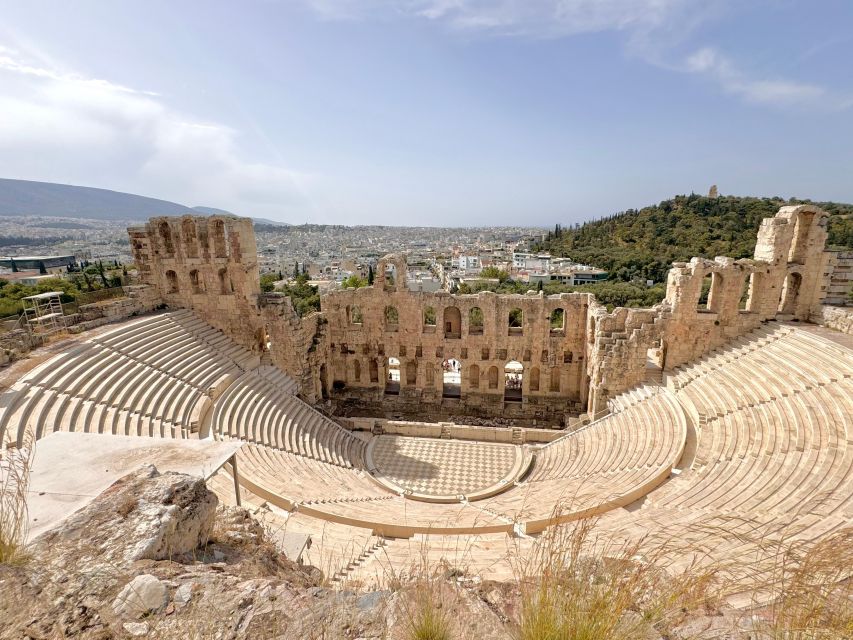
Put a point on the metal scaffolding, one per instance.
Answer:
(43, 313)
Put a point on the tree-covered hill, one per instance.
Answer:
(644, 243)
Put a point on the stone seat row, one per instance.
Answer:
(631, 397)
(255, 409)
(647, 433)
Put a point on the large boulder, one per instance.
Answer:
(145, 514)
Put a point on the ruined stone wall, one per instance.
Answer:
(208, 264)
(838, 318)
(363, 336)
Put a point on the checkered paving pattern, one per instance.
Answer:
(442, 467)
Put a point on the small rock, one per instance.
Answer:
(145, 593)
(218, 556)
(370, 600)
(136, 628)
(184, 593)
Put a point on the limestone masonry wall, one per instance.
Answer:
(383, 350)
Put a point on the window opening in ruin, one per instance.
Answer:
(392, 319)
(746, 287)
(392, 379)
(558, 321)
(172, 281)
(220, 246)
(166, 236)
(704, 293)
(493, 377)
(188, 232)
(390, 278)
(534, 379)
(790, 294)
(429, 320)
(484, 353)
(513, 378)
(195, 281)
(554, 385)
(411, 373)
(356, 370)
(799, 243)
(355, 316)
(374, 371)
(474, 376)
(452, 323)
(451, 378)
(516, 321)
(224, 282)
(475, 321)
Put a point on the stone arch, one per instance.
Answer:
(493, 377)
(790, 296)
(534, 379)
(165, 232)
(554, 382)
(195, 281)
(515, 322)
(356, 370)
(374, 370)
(354, 315)
(225, 286)
(451, 378)
(452, 322)
(220, 244)
(474, 377)
(429, 319)
(513, 381)
(392, 379)
(803, 223)
(558, 321)
(392, 319)
(715, 293)
(475, 321)
(745, 289)
(188, 234)
(172, 282)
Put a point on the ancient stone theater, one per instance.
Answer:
(467, 425)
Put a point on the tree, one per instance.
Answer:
(539, 286)
(493, 272)
(354, 282)
(370, 275)
(268, 282)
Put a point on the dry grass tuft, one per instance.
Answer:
(15, 464)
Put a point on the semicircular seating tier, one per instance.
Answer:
(155, 376)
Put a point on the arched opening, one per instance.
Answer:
(429, 320)
(390, 278)
(534, 379)
(392, 380)
(715, 293)
(558, 321)
(475, 321)
(195, 281)
(451, 378)
(356, 370)
(756, 284)
(171, 282)
(189, 238)
(324, 384)
(355, 317)
(392, 319)
(452, 322)
(705, 292)
(513, 379)
(474, 377)
(225, 287)
(411, 373)
(745, 289)
(790, 294)
(554, 385)
(516, 322)
(800, 240)
(220, 246)
(166, 237)
(493, 377)
(374, 371)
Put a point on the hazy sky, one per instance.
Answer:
(443, 112)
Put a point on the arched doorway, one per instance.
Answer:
(513, 380)
(451, 370)
(392, 380)
(790, 294)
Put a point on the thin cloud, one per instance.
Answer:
(67, 127)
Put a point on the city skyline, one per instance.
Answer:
(438, 113)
